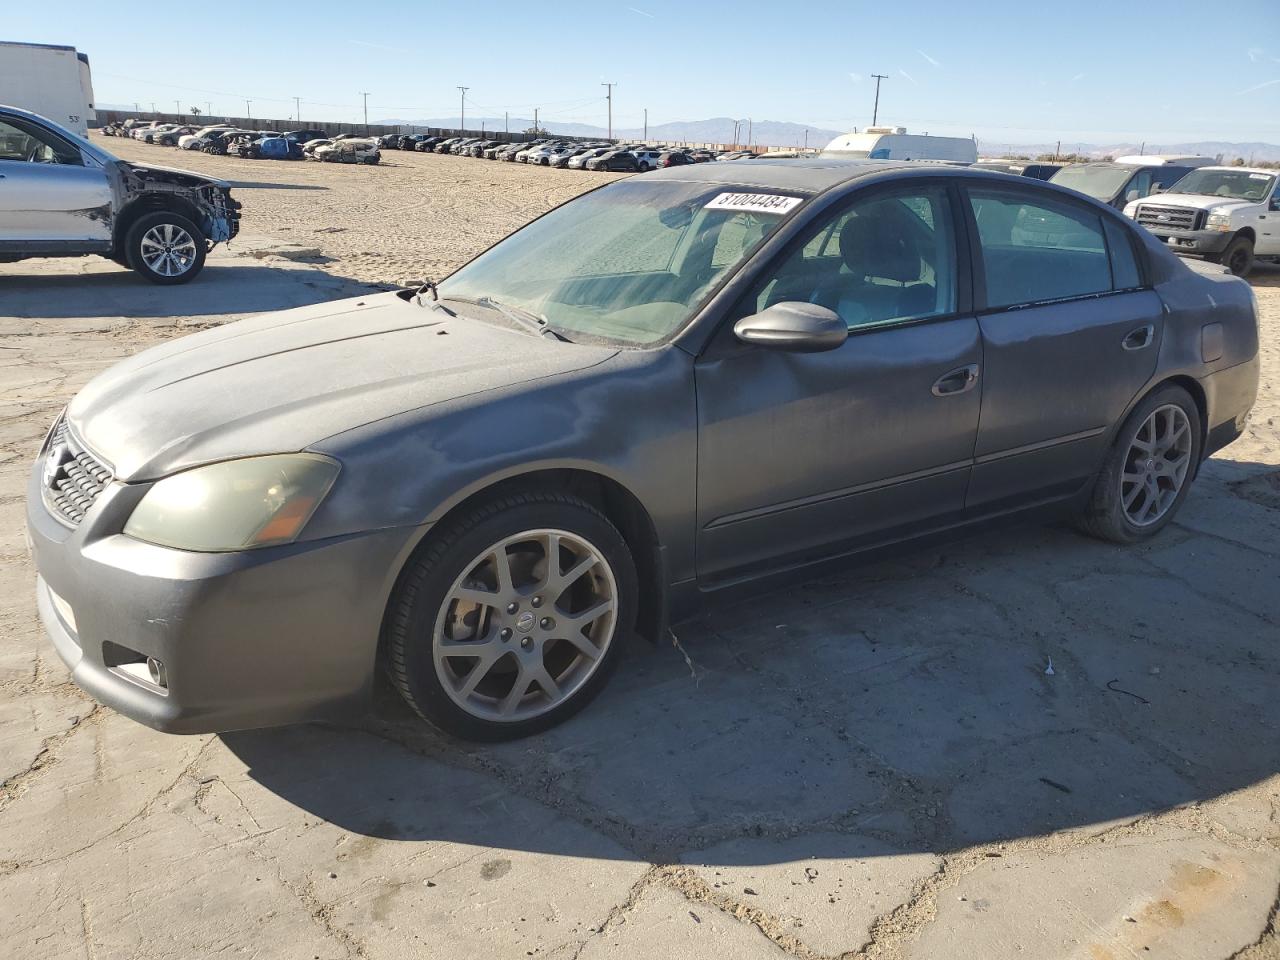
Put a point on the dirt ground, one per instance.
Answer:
(412, 215)
(874, 764)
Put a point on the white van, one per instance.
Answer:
(894, 143)
(52, 81)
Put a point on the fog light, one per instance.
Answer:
(156, 669)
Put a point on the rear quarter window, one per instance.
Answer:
(1124, 264)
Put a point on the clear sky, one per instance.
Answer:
(1010, 72)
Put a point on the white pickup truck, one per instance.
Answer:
(1229, 215)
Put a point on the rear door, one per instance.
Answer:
(1070, 335)
(48, 197)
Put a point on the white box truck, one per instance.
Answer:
(50, 80)
(894, 143)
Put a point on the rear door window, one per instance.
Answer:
(1037, 250)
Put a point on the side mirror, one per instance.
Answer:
(1275, 202)
(1131, 195)
(1158, 188)
(795, 327)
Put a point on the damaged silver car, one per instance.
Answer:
(61, 196)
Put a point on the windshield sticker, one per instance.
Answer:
(755, 203)
(1259, 176)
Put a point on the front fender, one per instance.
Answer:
(631, 419)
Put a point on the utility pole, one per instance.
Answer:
(462, 114)
(153, 106)
(875, 111)
(1142, 149)
(366, 110)
(297, 110)
(646, 123)
(177, 106)
(1057, 151)
(208, 107)
(247, 114)
(609, 97)
(736, 123)
(506, 121)
(806, 138)
(748, 131)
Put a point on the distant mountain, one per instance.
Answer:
(1258, 152)
(774, 133)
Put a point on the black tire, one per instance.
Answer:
(428, 577)
(148, 221)
(1238, 256)
(1104, 516)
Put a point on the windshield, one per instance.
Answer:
(1101, 183)
(1232, 184)
(628, 263)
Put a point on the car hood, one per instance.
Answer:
(184, 178)
(281, 382)
(1196, 201)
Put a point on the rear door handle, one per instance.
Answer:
(1137, 339)
(957, 381)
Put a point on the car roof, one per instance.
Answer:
(810, 176)
(1269, 173)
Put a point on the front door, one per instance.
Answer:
(1070, 336)
(805, 454)
(47, 194)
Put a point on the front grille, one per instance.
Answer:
(77, 479)
(1158, 217)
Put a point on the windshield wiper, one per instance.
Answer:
(525, 318)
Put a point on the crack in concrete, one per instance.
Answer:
(17, 784)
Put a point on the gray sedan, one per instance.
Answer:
(668, 387)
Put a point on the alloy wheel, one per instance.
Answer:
(167, 249)
(525, 625)
(1156, 466)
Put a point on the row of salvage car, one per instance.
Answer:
(565, 154)
(226, 140)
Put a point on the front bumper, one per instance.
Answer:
(251, 639)
(1193, 241)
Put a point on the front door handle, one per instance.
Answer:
(957, 381)
(1137, 339)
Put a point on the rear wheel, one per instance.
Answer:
(1149, 470)
(165, 247)
(512, 619)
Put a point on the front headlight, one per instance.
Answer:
(1219, 220)
(234, 505)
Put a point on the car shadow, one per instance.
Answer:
(1015, 684)
(225, 286)
(265, 185)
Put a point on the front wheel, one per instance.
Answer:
(1149, 470)
(165, 247)
(512, 619)
(1238, 256)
